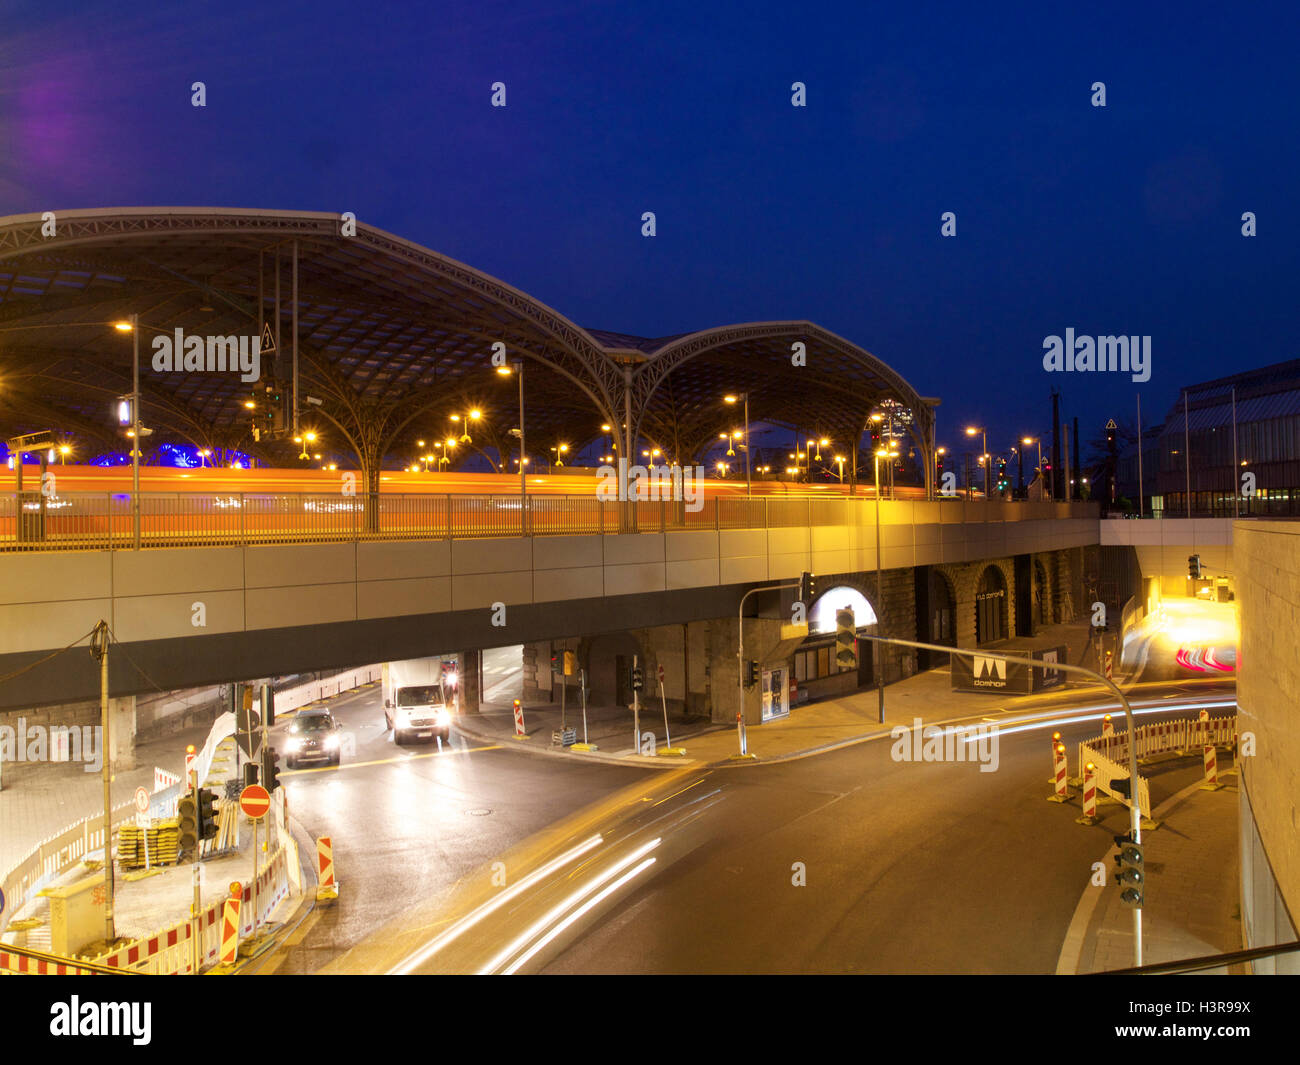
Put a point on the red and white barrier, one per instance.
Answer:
(1089, 795)
(1107, 727)
(230, 930)
(1210, 758)
(327, 887)
(1062, 792)
(162, 780)
(519, 721)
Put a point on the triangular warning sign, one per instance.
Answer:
(268, 341)
(1111, 424)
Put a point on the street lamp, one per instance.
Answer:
(132, 326)
(880, 453)
(506, 371)
(473, 415)
(1042, 481)
(840, 460)
(984, 447)
(737, 398)
(559, 450)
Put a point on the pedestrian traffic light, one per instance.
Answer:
(846, 639)
(638, 680)
(1131, 876)
(207, 811)
(1194, 567)
(807, 588)
(270, 768)
(751, 673)
(187, 812)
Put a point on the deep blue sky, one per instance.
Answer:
(1117, 220)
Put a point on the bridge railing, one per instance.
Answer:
(89, 521)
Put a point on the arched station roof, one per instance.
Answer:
(392, 337)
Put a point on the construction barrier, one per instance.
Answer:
(1089, 795)
(1167, 738)
(230, 930)
(1107, 726)
(162, 780)
(33, 963)
(1108, 771)
(519, 720)
(1062, 791)
(326, 688)
(49, 858)
(1211, 762)
(326, 886)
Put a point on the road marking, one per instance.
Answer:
(405, 757)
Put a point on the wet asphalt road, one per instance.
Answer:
(407, 822)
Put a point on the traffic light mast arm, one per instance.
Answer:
(1135, 813)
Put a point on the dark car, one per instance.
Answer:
(314, 736)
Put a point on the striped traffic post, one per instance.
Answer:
(230, 924)
(327, 888)
(1089, 796)
(520, 734)
(1211, 769)
(1062, 793)
(1056, 742)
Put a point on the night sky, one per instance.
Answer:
(1117, 220)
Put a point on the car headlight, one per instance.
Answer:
(442, 716)
(331, 743)
(293, 743)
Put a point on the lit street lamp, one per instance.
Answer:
(1042, 481)
(736, 398)
(984, 447)
(880, 602)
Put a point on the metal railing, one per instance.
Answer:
(102, 520)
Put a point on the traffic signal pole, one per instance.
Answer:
(1135, 812)
(740, 654)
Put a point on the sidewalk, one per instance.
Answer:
(1192, 890)
(808, 729)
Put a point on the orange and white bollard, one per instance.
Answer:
(1056, 742)
(327, 888)
(1107, 727)
(1089, 796)
(520, 734)
(230, 925)
(1211, 769)
(1109, 664)
(1062, 793)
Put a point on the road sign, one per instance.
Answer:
(254, 801)
(660, 672)
(141, 801)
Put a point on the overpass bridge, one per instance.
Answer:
(210, 600)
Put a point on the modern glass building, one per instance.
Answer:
(1239, 435)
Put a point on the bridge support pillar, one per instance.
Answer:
(470, 689)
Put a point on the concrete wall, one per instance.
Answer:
(1268, 696)
(1163, 546)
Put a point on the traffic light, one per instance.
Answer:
(846, 639)
(638, 680)
(751, 673)
(570, 663)
(1194, 567)
(251, 773)
(187, 812)
(270, 768)
(1131, 876)
(207, 821)
(555, 661)
(268, 704)
(807, 588)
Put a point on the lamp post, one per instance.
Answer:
(880, 601)
(971, 430)
(506, 371)
(839, 459)
(744, 396)
(1027, 440)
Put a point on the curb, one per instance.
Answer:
(1076, 936)
(642, 760)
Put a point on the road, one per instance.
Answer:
(910, 867)
(408, 822)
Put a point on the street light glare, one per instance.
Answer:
(730, 399)
(122, 327)
(971, 430)
(504, 371)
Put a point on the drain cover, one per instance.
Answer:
(482, 811)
